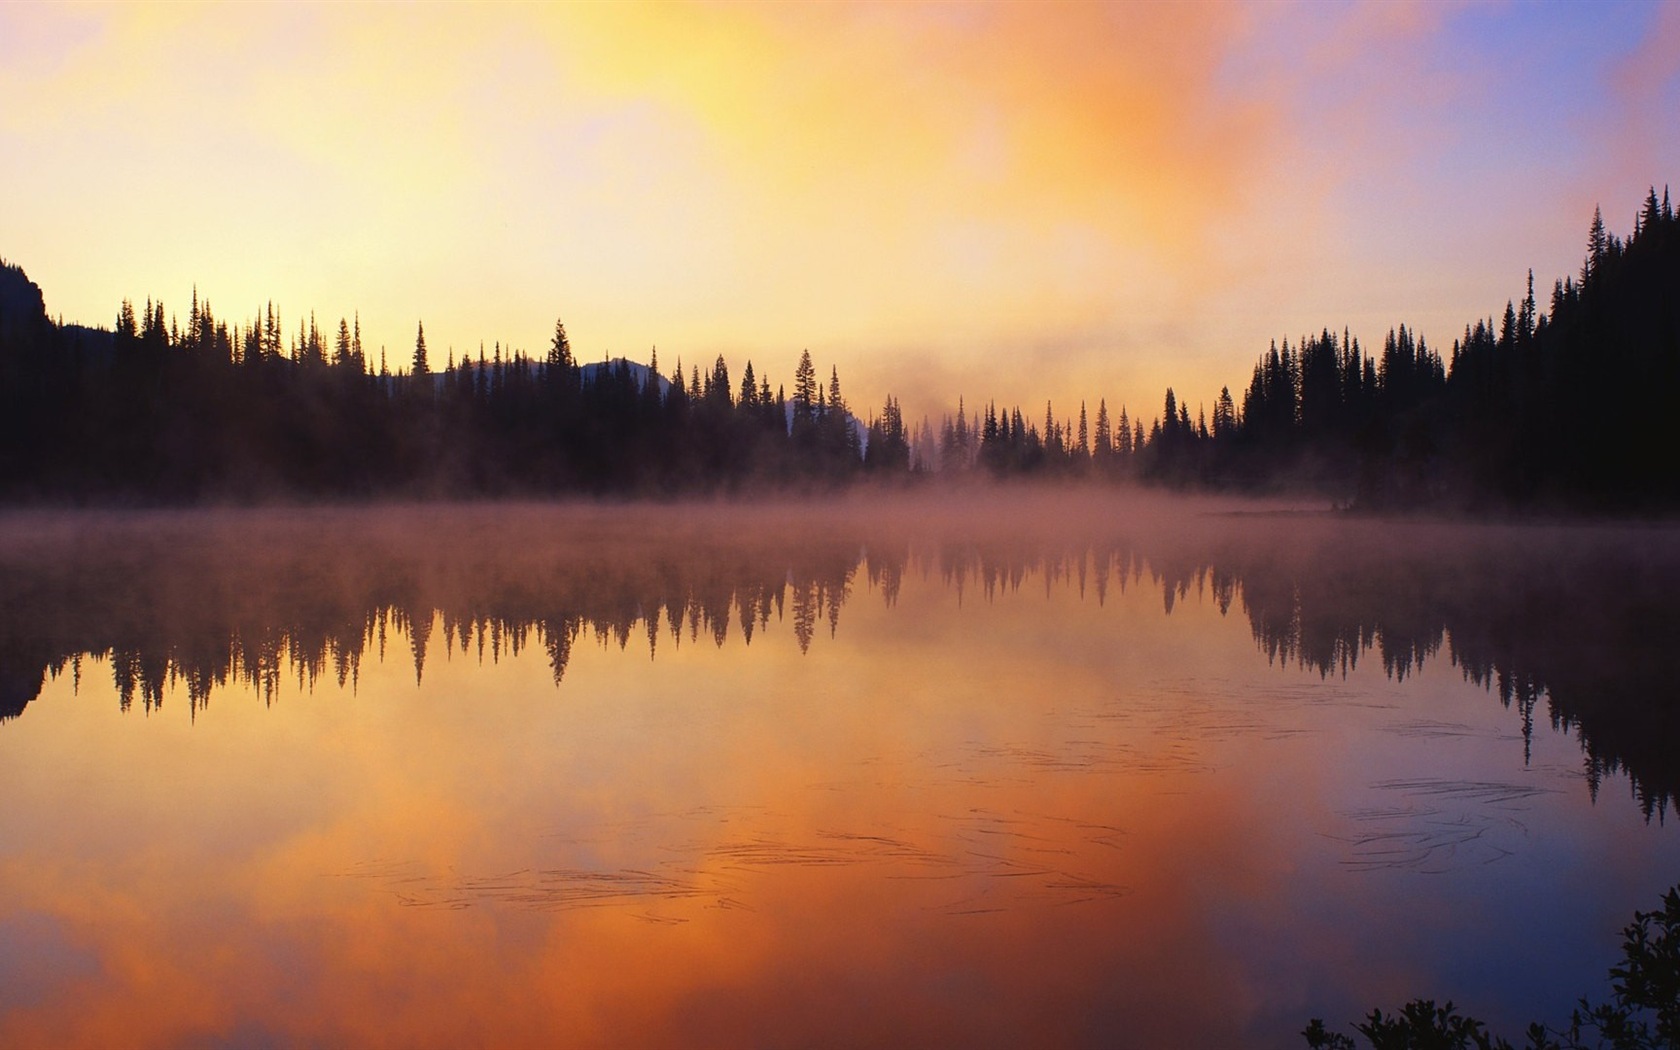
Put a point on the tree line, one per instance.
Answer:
(1562, 405)
(1559, 407)
(155, 411)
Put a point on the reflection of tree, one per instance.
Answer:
(204, 606)
(805, 600)
(1578, 618)
(1569, 625)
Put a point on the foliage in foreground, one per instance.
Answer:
(1643, 1012)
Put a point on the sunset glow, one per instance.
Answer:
(937, 768)
(1026, 202)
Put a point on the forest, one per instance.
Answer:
(1562, 409)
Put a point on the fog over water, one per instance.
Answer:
(998, 767)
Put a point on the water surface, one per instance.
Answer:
(992, 771)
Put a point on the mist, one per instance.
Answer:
(1542, 615)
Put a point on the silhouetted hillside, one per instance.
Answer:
(23, 311)
(1561, 409)
(1564, 409)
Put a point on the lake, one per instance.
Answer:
(993, 769)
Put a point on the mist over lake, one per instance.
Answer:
(1077, 769)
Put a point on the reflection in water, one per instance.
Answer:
(831, 774)
(1574, 617)
(256, 601)
(1564, 615)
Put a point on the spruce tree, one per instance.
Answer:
(1597, 244)
(420, 366)
(804, 387)
(749, 389)
(560, 348)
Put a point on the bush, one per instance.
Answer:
(1643, 1012)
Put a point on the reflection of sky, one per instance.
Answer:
(1444, 868)
(981, 200)
(1031, 816)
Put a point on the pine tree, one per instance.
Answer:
(1508, 327)
(1224, 414)
(560, 348)
(717, 386)
(836, 403)
(271, 333)
(1597, 244)
(749, 388)
(1526, 318)
(804, 387)
(420, 366)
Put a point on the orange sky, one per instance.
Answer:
(1020, 202)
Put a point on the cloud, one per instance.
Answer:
(1646, 87)
(1148, 192)
(734, 178)
(1109, 119)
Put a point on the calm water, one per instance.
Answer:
(1007, 771)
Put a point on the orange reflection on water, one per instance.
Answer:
(1033, 817)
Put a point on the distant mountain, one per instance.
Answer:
(638, 372)
(858, 427)
(590, 373)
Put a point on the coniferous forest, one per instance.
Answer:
(1559, 404)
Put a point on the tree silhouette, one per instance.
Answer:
(1563, 409)
(420, 367)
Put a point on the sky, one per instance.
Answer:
(1011, 202)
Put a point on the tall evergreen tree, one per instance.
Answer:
(1597, 244)
(421, 368)
(804, 387)
(560, 347)
(749, 389)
